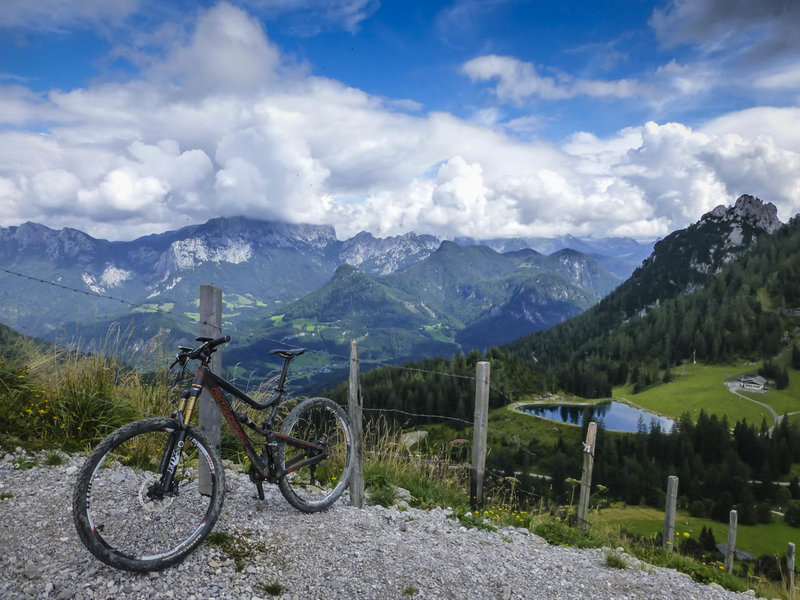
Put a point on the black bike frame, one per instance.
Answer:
(206, 379)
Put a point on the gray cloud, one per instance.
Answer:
(724, 24)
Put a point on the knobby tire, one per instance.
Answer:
(325, 424)
(120, 523)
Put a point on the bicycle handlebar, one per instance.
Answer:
(220, 340)
(207, 347)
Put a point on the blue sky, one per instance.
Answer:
(463, 118)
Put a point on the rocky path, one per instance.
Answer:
(274, 551)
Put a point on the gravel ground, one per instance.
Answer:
(374, 553)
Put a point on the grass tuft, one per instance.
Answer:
(272, 588)
(615, 560)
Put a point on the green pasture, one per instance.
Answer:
(505, 423)
(436, 332)
(235, 301)
(783, 401)
(758, 540)
(154, 307)
(695, 388)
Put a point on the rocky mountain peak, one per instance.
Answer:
(748, 208)
(382, 256)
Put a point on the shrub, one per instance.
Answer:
(707, 540)
(697, 509)
(768, 566)
(792, 514)
(764, 512)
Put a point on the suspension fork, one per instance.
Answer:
(169, 463)
(172, 453)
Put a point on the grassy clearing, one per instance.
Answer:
(770, 539)
(783, 401)
(437, 333)
(701, 387)
(154, 307)
(521, 428)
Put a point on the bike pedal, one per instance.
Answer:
(260, 488)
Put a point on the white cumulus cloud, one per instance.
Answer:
(518, 80)
(220, 123)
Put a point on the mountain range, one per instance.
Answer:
(403, 296)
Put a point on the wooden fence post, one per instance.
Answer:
(586, 475)
(668, 542)
(208, 413)
(790, 570)
(479, 435)
(355, 406)
(731, 542)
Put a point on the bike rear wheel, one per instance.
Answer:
(315, 451)
(120, 512)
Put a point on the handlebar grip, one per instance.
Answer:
(220, 340)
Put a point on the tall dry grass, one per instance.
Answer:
(54, 397)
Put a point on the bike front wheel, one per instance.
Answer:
(315, 453)
(122, 513)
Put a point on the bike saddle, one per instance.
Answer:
(288, 353)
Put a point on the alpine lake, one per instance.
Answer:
(614, 416)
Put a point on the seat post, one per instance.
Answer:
(284, 372)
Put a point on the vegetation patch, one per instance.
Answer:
(615, 560)
(561, 534)
(699, 388)
(272, 588)
(54, 458)
(240, 548)
(648, 522)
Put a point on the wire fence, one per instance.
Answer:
(154, 307)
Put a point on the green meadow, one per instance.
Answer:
(702, 387)
(771, 539)
(783, 401)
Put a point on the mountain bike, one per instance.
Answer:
(150, 493)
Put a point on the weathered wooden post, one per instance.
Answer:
(208, 413)
(669, 513)
(790, 570)
(586, 475)
(355, 406)
(731, 542)
(479, 435)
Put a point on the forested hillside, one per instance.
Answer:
(743, 312)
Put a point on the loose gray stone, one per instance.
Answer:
(343, 553)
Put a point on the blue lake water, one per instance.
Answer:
(615, 416)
